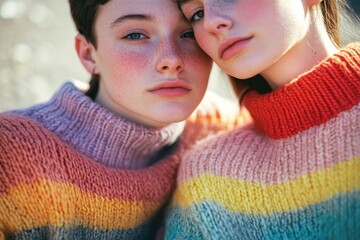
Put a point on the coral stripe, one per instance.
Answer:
(308, 152)
(32, 163)
(240, 196)
(295, 107)
(32, 206)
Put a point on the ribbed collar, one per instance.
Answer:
(99, 134)
(311, 99)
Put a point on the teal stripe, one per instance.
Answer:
(336, 218)
(77, 233)
(181, 225)
(45, 233)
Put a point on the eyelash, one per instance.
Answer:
(195, 14)
(141, 36)
(137, 36)
(188, 32)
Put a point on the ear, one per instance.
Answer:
(311, 3)
(85, 51)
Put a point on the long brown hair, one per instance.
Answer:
(330, 12)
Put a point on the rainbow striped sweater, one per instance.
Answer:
(70, 169)
(293, 174)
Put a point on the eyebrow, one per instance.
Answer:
(131, 17)
(181, 2)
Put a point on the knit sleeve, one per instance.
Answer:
(215, 114)
(182, 224)
(12, 152)
(96, 202)
(19, 147)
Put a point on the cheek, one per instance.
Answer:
(248, 15)
(205, 42)
(249, 8)
(127, 64)
(135, 62)
(200, 54)
(199, 64)
(203, 65)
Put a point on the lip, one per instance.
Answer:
(232, 46)
(171, 88)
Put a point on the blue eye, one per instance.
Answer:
(135, 36)
(196, 16)
(188, 34)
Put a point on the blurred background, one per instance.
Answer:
(37, 53)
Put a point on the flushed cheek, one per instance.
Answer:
(129, 64)
(199, 55)
(250, 8)
(197, 60)
(207, 43)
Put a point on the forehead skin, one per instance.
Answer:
(136, 14)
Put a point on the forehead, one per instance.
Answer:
(156, 9)
(180, 2)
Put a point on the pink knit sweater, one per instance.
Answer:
(295, 174)
(70, 169)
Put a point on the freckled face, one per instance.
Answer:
(248, 37)
(151, 68)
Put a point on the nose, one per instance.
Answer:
(215, 22)
(169, 60)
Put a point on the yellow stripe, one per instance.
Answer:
(247, 197)
(58, 203)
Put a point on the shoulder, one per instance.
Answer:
(225, 141)
(219, 151)
(26, 150)
(215, 108)
(20, 129)
(215, 114)
(22, 140)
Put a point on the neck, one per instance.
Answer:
(314, 47)
(311, 99)
(99, 134)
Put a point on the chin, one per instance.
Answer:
(174, 118)
(242, 75)
(179, 117)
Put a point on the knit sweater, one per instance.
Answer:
(293, 174)
(70, 169)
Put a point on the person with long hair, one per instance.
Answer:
(294, 172)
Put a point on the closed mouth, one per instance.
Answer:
(232, 45)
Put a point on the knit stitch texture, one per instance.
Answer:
(70, 169)
(293, 174)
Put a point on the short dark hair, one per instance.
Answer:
(83, 13)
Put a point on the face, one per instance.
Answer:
(249, 37)
(151, 69)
